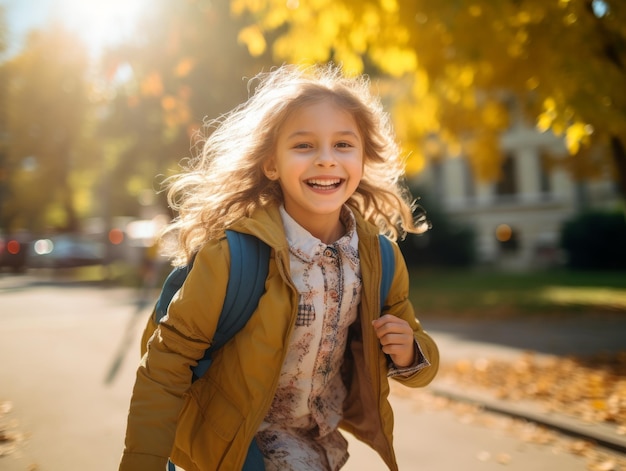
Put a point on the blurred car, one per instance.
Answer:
(66, 250)
(14, 252)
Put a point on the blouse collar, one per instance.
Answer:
(304, 245)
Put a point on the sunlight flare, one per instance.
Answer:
(100, 24)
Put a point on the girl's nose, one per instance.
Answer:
(325, 157)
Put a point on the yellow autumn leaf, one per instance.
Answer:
(475, 10)
(549, 104)
(370, 20)
(452, 95)
(494, 115)
(544, 121)
(311, 49)
(390, 6)
(466, 77)
(558, 128)
(414, 164)
(352, 63)
(396, 61)
(421, 84)
(252, 37)
(358, 40)
(575, 135)
(532, 83)
(328, 25)
(317, 5)
(276, 17)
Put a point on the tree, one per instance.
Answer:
(459, 67)
(46, 112)
(88, 139)
(185, 66)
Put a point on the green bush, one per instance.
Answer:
(595, 240)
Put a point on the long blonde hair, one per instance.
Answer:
(225, 181)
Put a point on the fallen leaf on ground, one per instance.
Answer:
(590, 388)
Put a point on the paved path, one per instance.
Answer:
(69, 355)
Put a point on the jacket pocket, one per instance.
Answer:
(207, 424)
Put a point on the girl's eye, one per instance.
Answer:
(302, 145)
(343, 145)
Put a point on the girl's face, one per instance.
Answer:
(318, 163)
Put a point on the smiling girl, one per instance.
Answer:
(309, 165)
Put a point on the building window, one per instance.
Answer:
(545, 182)
(507, 185)
(468, 180)
(438, 182)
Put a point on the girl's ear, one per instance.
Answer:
(269, 169)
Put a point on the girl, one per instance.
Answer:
(308, 165)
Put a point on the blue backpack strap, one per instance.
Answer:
(388, 266)
(254, 459)
(249, 266)
(171, 285)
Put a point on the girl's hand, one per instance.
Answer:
(396, 337)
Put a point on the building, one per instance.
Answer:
(518, 219)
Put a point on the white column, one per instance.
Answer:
(453, 182)
(528, 165)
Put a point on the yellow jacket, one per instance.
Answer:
(210, 425)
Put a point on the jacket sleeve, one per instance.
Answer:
(164, 373)
(399, 304)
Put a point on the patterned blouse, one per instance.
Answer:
(300, 430)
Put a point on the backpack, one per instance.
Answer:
(249, 266)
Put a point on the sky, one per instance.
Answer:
(98, 22)
(21, 15)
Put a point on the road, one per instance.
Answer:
(69, 353)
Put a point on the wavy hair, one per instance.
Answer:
(225, 181)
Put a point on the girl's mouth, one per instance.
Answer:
(324, 183)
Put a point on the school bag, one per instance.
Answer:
(249, 266)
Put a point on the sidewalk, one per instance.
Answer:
(603, 434)
(510, 339)
(69, 356)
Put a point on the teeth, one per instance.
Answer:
(320, 182)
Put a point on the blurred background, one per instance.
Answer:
(511, 114)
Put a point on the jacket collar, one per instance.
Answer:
(266, 224)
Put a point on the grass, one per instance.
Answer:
(486, 293)
(467, 293)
